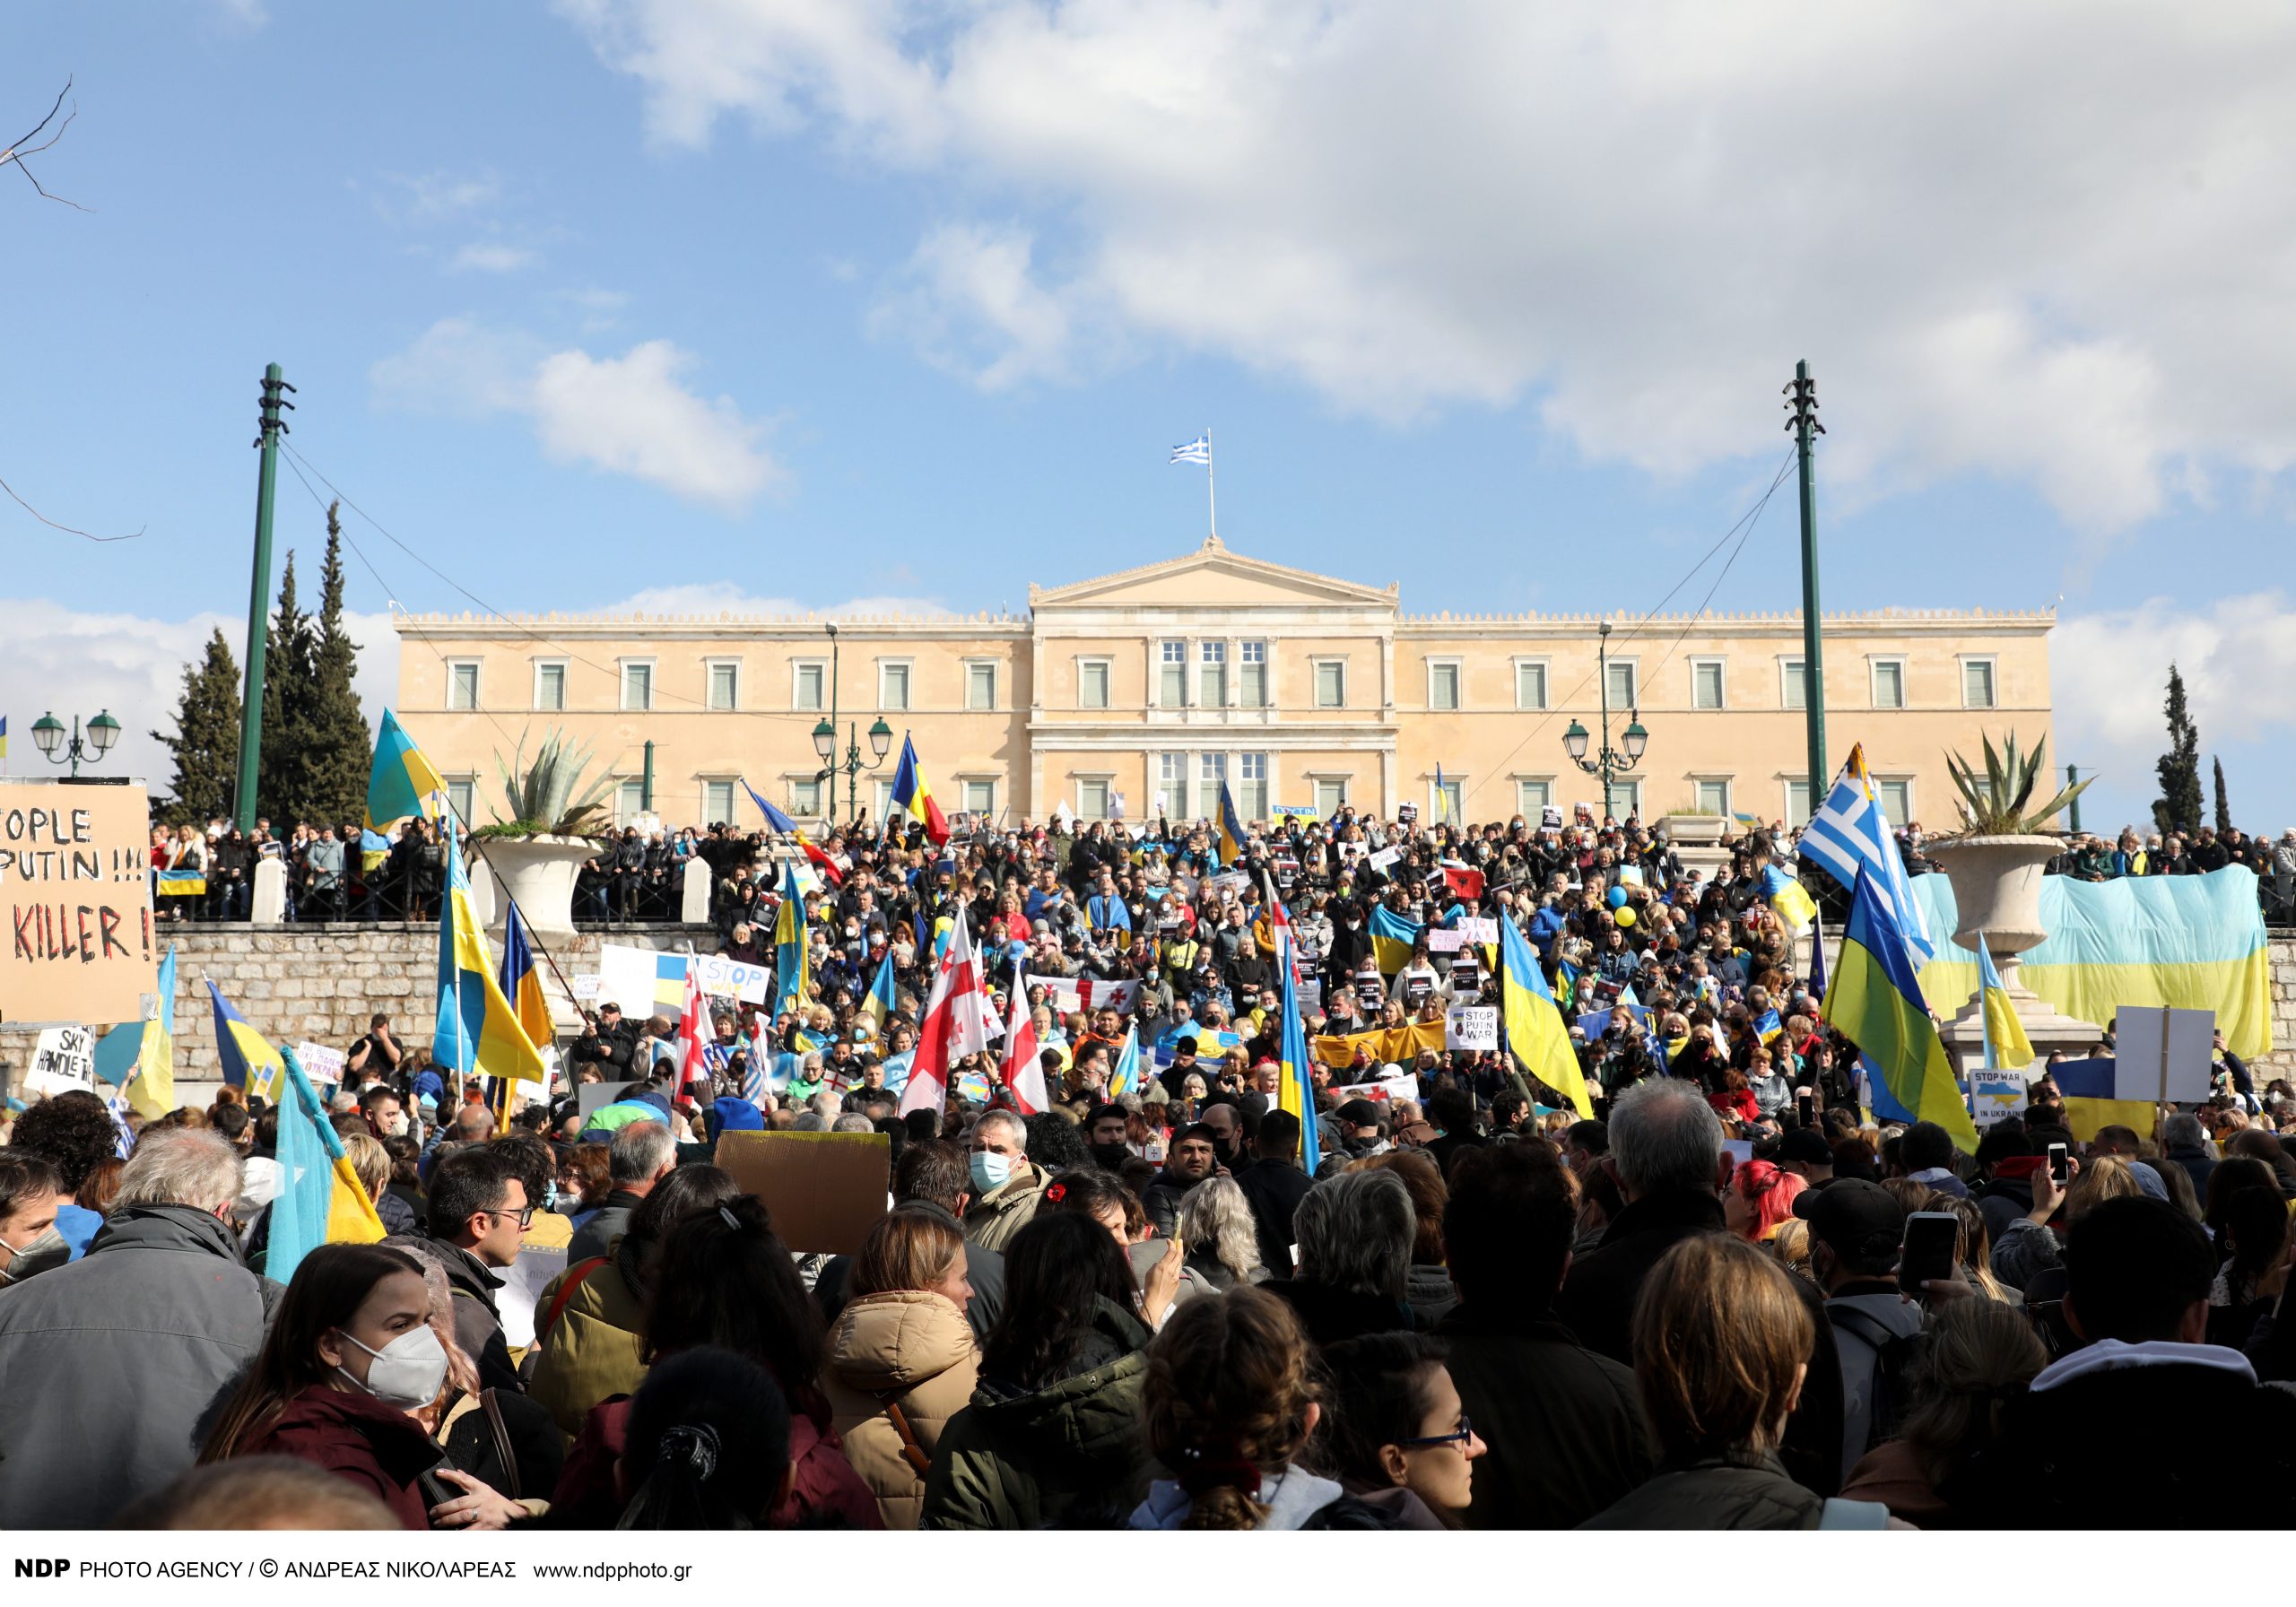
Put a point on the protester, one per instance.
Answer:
(31, 1192)
(1398, 1427)
(641, 1156)
(1978, 1356)
(1219, 1237)
(708, 1445)
(1355, 1237)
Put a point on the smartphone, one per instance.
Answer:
(2060, 1167)
(1807, 1106)
(1931, 1238)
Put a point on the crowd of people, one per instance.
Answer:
(1726, 1297)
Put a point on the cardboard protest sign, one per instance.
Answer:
(523, 1281)
(825, 1190)
(75, 882)
(585, 987)
(2163, 1055)
(595, 1095)
(1994, 1095)
(1444, 940)
(1472, 1026)
(63, 1060)
(647, 982)
(1386, 857)
(321, 1064)
(1478, 929)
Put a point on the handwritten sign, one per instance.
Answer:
(75, 884)
(585, 987)
(63, 1060)
(1994, 1095)
(1472, 1026)
(320, 1062)
(1386, 857)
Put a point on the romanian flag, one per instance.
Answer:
(250, 1061)
(1531, 1022)
(1296, 1091)
(913, 794)
(1392, 938)
(320, 1199)
(877, 1003)
(152, 1091)
(1876, 1002)
(789, 944)
(775, 820)
(2005, 1044)
(402, 778)
(1231, 830)
(478, 1032)
(1789, 898)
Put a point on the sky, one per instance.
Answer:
(865, 304)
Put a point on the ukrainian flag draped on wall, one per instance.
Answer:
(2194, 943)
(2005, 1044)
(789, 944)
(1533, 1022)
(478, 1032)
(320, 1199)
(1392, 938)
(1875, 1002)
(250, 1061)
(402, 778)
(153, 1091)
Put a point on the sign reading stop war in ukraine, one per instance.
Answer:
(75, 889)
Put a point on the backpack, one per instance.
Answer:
(1900, 1361)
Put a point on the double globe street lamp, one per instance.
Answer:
(1608, 761)
(47, 732)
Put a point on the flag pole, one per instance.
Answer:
(1211, 491)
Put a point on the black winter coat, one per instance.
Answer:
(1564, 1425)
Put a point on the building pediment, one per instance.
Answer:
(1213, 576)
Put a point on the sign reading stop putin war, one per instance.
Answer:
(75, 892)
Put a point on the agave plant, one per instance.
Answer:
(1995, 804)
(541, 796)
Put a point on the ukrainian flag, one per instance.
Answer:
(1125, 1078)
(152, 1091)
(877, 1003)
(478, 1032)
(2005, 1044)
(1392, 938)
(178, 882)
(1532, 1022)
(1296, 1091)
(521, 982)
(320, 1199)
(2090, 1107)
(1232, 831)
(250, 1061)
(1769, 1028)
(402, 778)
(913, 795)
(789, 944)
(1877, 1003)
(1789, 898)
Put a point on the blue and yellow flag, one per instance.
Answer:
(789, 944)
(478, 1032)
(2005, 1044)
(1789, 898)
(320, 1199)
(250, 1061)
(1769, 1028)
(152, 1091)
(183, 882)
(2090, 1107)
(912, 794)
(402, 778)
(1393, 938)
(1296, 1091)
(522, 983)
(1232, 831)
(877, 1003)
(1531, 1022)
(1877, 1003)
(1125, 1078)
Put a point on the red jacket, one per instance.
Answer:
(1740, 1105)
(355, 1437)
(826, 1493)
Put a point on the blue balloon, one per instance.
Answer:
(1618, 897)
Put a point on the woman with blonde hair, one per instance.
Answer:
(1973, 1249)
(1722, 1344)
(1791, 1246)
(1218, 1236)
(1980, 1353)
(2034, 1243)
(903, 1360)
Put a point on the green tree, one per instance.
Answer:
(206, 740)
(280, 787)
(2178, 808)
(2223, 809)
(337, 747)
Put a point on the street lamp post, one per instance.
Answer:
(881, 742)
(1608, 761)
(48, 732)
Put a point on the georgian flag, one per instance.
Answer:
(1023, 1072)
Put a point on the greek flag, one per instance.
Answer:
(1850, 833)
(1198, 450)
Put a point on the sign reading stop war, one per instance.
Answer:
(75, 892)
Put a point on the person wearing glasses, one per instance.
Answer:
(1399, 1431)
(476, 1221)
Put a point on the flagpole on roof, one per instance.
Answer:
(1211, 492)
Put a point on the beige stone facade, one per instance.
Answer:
(1160, 682)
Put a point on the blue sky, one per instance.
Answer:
(629, 298)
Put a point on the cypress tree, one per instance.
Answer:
(2223, 809)
(2177, 809)
(206, 740)
(337, 745)
(286, 699)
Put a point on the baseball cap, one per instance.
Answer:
(1854, 1216)
(1359, 1113)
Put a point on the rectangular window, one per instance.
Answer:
(1798, 805)
(806, 797)
(638, 685)
(1251, 786)
(1712, 796)
(1531, 799)
(981, 686)
(1331, 794)
(1706, 683)
(1625, 801)
(1442, 686)
(1211, 770)
(628, 801)
(1896, 798)
(808, 686)
(1530, 684)
(1212, 685)
(1977, 683)
(1172, 780)
(1792, 687)
(892, 687)
(1446, 800)
(725, 691)
(1092, 797)
(1173, 693)
(1093, 684)
(1331, 684)
(882, 806)
(1251, 688)
(550, 688)
(1889, 684)
(462, 796)
(980, 799)
(717, 803)
(1622, 688)
(461, 683)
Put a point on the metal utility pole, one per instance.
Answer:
(1804, 405)
(2072, 778)
(270, 427)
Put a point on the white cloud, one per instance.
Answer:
(490, 256)
(631, 415)
(441, 196)
(2055, 256)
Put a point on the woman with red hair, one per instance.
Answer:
(1760, 1201)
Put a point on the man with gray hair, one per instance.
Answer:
(1006, 1184)
(1355, 1233)
(642, 1155)
(2184, 1143)
(113, 1365)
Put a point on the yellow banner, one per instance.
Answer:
(1401, 1044)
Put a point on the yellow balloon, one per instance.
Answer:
(1624, 917)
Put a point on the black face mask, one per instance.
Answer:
(1110, 1157)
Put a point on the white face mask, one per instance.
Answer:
(406, 1373)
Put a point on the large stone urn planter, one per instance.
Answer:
(1997, 891)
(538, 872)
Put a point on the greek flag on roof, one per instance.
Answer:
(1850, 834)
(1198, 450)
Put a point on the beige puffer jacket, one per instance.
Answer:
(909, 1349)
